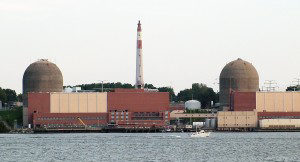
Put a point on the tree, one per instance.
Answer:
(170, 90)
(185, 95)
(3, 97)
(149, 86)
(198, 92)
(11, 95)
(20, 97)
(106, 86)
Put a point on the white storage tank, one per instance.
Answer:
(207, 123)
(198, 124)
(192, 105)
(213, 123)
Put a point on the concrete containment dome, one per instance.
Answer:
(192, 105)
(42, 76)
(238, 75)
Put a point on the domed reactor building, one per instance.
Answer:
(238, 75)
(40, 76)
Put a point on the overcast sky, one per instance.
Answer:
(184, 42)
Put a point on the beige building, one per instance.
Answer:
(279, 123)
(78, 102)
(278, 101)
(237, 119)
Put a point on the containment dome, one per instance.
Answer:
(42, 76)
(192, 105)
(238, 75)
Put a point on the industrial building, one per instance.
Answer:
(273, 110)
(138, 108)
(40, 76)
(237, 120)
(124, 108)
(238, 75)
(266, 101)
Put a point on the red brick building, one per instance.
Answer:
(124, 108)
(138, 108)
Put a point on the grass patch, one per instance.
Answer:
(11, 115)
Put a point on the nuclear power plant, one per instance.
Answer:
(243, 107)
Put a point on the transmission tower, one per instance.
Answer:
(297, 81)
(270, 85)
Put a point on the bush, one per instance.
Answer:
(11, 115)
(3, 129)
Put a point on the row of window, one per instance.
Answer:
(117, 113)
(237, 124)
(146, 114)
(244, 117)
(279, 117)
(147, 118)
(67, 126)
(71, 118)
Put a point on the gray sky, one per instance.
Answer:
(184, 42)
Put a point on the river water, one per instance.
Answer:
(279, 146)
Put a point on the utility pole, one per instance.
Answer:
(102, 81)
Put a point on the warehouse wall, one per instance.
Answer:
(63, 119)
(278, 101)
(279, 123)
(237, 119)
(138, 101)
(278, 115)
(244, 101)
(38, 103)
(78, 102)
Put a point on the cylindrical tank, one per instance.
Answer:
(192, 105)
(238, 75)
(207, 123)
(213, 123)
(198, 124)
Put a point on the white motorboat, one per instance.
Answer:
(202, 133)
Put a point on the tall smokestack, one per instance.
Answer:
(139, 59)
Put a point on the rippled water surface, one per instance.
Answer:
(150, 147)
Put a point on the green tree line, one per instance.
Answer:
(9, 95)
(198, 91)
